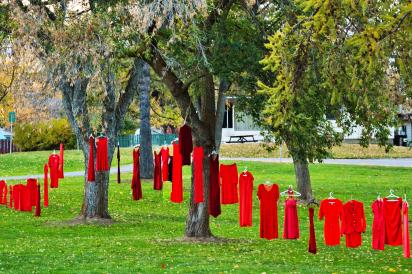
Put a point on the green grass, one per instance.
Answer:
(146, 236)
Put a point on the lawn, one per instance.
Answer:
(147, 235)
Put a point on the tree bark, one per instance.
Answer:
(303, 182)
(146, 155)
(220, 110)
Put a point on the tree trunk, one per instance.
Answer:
(146, 155)
(303, 179)
(220, 110)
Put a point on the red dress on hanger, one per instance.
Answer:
(291, 223)
(393, 221)
(54, 170)
(245, 198)
(268, 211)
(378, 225)
(46, 186)
(32, 189)
(354, 223)
(214, 187)
(406, 244)
(136, 183)
(312, 237)
(3, 192)
(164, 152)
(332, 211)
(198, 174)
(102, 155)
(185, 143)
(16, 196)
(176, 195)
(38, 207)
(157, 179)
(228, 180)
(61, 162)
(90, 164)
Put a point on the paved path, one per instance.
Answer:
(400, 162)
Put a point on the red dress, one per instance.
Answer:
(176, 195)
(46, 186)
(291, 223)
(228, 181)
(32, 189)
(54, 170)
(38, 208)
(406, 244)
(3, 192)
(332, 211)
(393, 221)
(102, 155)
(11, 196)
(214, 187)
(378, 225)
(186, 144)
(164, 152)
(16, 196)
(312, 237)
(136, 183)
(25, 199)
(61, 162)
(90, 164)
(268, 211)
(198, 174)
(245, 198)
(157, 179)
(354, 223)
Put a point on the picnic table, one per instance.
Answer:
(241, 139)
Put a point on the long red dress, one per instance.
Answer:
(378, 225)
(32, 189)
(176, 195)
(332, 211)
(164, 152)
(3, 192)
(185, 144)
(228, 180)
(312, 237)
(406, 244)
(393, 221)
(16, 196)
(10, 196)
(268, 197)
(136, 183)
(61, 162)
(291, 223)
(245, 198)
(214, 187)
(90, 165)
(25, 199)
(54, 170)
(354, 223)
(198, 174)
(157, 179)
(37, 212)
(46, 186)
(102, 155)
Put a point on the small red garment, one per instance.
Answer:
(118, 164)
(32, 188)
(25, 199)
(353, 223)
(46, 186)
(136, 183)
(312, 236)
(176, 196)
(3, 192)
(245, 198)
(378, 225)
(393, 221)
(291, 223)
(38, 209)
(102, 155)
(11, 197)
(185, 143)
(157, 179)
(198, 174)
(16, 196)
(228, 180)
(332, 211)
(54, 170)
(61, 162)
(90, 165)
(406, 244)
(268, 196)
(164, 153)
(214, 187)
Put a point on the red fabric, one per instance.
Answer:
(25, 199)
(3, 192)
(198, 174)
(136, 183)
(291, 223)
(268, 211)
(378, 225)
(228, 180)
(16, 196)
(164, 153)
(157, 179)
(61, 162)
(214, 187)
(312, 237)
(354, 223)
(38, 209)
(245, 198)
(32, 189)
(186, 144)
(176, 195)
(393, 221)
(118, 164)
(102, 155)
(54, 170)
(46, 186)
(11, 197)
(406, 244)
(332, 211)
(90, 165)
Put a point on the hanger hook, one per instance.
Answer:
(330, 194)
(391, 191)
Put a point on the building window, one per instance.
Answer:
(228, 116)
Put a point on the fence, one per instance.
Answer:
(5, 147)
(157, 140)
